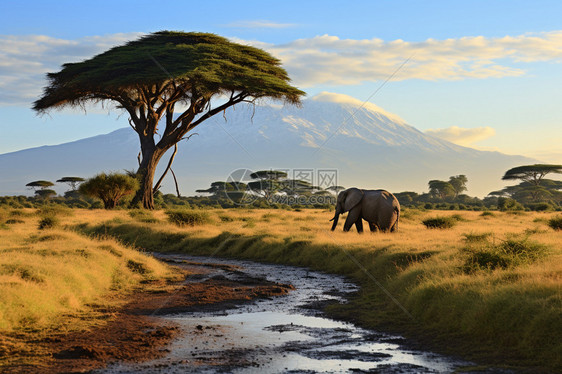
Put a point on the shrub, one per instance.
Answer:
(142, 216)
(12, 221)
(225, 218)
(20, 213)
(459, 218)
(184, 217)
(484, 259)
(439, 223)
(523, 250)
(110, 188)
(48, 222)
(506, 204)
(477, 238)
(540, 207)
(54, 210)
(555, 223)
(510, 252)
(487, 213)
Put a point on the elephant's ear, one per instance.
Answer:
(354, 197)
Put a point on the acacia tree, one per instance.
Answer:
(267, 182)
(40, 185)
(41, 188)
(534, 186)
(458, 182)
(533, 174)
(72, 182)
(441, 189)
(153, 76)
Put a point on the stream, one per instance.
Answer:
(284, 334)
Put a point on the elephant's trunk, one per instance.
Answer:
(335, 219)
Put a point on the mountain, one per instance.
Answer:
(367, 146)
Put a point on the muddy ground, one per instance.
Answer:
(135, 333)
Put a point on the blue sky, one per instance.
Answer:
(486, 74)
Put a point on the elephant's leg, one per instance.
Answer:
(352, 217)
(373, 227)
(359, 225)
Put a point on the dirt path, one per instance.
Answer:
(136, 333)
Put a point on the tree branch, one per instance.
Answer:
(157, 185)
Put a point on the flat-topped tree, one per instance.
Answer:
(532, 173)
(73, 182)
(40, 185)
(153, 76)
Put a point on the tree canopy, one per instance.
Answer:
(458, 182)
(441, 189)
(73, 182)
(532, 173)
(41, 184)
(150, 76)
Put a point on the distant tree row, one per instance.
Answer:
(534, 192)
(43, 191)
(272, 188)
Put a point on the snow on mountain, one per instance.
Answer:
(368, 147)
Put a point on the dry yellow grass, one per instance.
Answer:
(49, 276)
(512, 314)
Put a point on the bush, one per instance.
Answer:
(48, 222)
(459, 218)
(110, 188)
(487, 260)
(13, 221)
(54, 210)
(555, 223)
(142, 216)
(477, 238)
(487, 213)
(540, 207)
(523, 250)
(439, 223)
(510, 252)
(506, 204)
(184, 217)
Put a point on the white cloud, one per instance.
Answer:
(323, 59)
(25, 60)
(463, 136)
(330, 60)
(259, 25)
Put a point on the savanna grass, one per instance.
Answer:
(506, 310)
(48, 279)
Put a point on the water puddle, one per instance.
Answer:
(285, 334)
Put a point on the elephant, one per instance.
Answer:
(378, 207)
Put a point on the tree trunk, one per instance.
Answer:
(150, 157)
